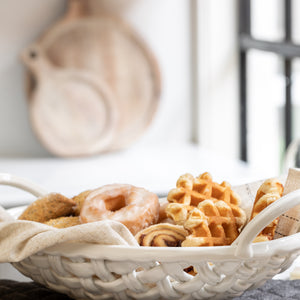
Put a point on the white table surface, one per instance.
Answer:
(154, 168)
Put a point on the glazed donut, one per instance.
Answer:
(132, 206)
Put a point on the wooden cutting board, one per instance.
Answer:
(110, 49)
(72, 112)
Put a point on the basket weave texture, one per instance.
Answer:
(94, 271)
(85, 278)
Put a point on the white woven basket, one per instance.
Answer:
(88, 271)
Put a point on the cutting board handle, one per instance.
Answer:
(34, 58)
(77, 9)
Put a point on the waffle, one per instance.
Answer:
(212, 223)
(268, 192)
(162, 235)
(191, 191)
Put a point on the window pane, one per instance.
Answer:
(267, 19)
(265, 111)
(296, 98)
(292, 158)
(296, 21)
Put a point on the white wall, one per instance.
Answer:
(163, 24)
(217, 76)
(19, 25)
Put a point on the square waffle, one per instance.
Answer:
(192, 191)
(212, 223)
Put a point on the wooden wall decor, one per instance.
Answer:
(99, 74)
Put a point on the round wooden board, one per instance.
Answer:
(108, 47)
(71, 111)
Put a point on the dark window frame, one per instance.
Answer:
(285, 48)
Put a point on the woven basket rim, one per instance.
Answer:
(75, 249)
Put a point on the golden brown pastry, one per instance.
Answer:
(134, 207)
(268, 192)
(162, 235)
(64, 222)
(191, 191)
(212, 223)
(49, 207)
(79, 200)
(178, 212)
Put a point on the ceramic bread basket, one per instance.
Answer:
(91, 271)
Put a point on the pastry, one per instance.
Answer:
(192, 191)
(64, 222)
(162, 235)
(268, 192)
(79, 200)
(132, 206)
(178, 212)
(49, 207)
(212, 223)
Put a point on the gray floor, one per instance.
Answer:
(7, 271)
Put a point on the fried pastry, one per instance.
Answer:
(268, 192)
(192, 191)
(49, 207)
(134, 207)
(64, 222)
(178, 212)
(163, 217)
(212, 223)
(162, 235)
(79, 200)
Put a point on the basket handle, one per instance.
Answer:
(23, 184)
(244, 241)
